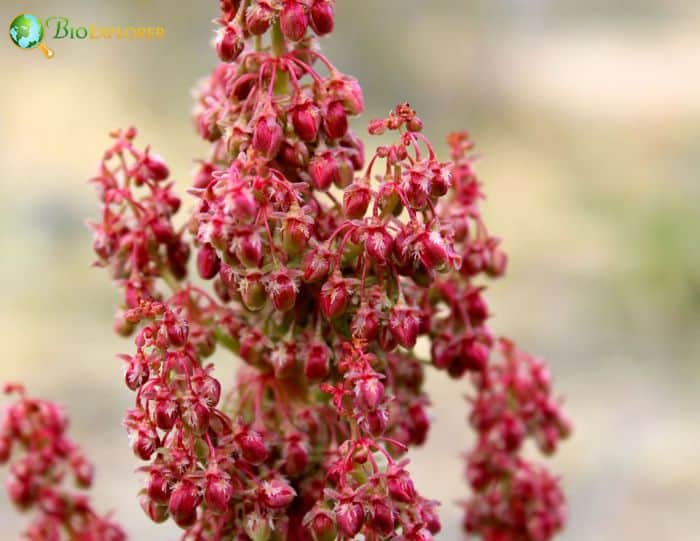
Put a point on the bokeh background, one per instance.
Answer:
(587, 114)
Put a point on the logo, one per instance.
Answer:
(27, 32)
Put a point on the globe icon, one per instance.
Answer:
(26, 31)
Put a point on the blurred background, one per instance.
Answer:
(587, 114)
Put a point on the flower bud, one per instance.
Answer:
(369, 392)
(155, 167)
(248, 248)
(378, 244)
(195, 415)
(136, 373)
(144, 443)
(158, 487)
(511, 432)
(297, 457)
(404, 324)
(121, 325)
(334, 297)
(401, 487)
(267, 136)
(322, 17)
(316, 264)
(183, 503)
(420, 423)
(293, 20)
(295, 234)
(282, 290)
(356, 199)
(83, 471)
(276, 494)
(208, 262)
(252, 446)
(295, 154)
(381, 518)
(257, 526)
(253, 291)
(377, 421)
(259, 18)
(349, 91)
(350, 517)
(158, 513)
(335, 121)
(497, 263)
(323, 527)
(316, 365)
(365, 324)
(430, 518)
(166, 413)
(433, 251)
(207, 388)
(218, 492)
(475, 354)
(229, 44)
(306, 119)
(252, 345)
(323, 170)
(377, 126)
(20, 490)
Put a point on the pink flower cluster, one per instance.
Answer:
(33, 435)
(513, 498)
(329, 276)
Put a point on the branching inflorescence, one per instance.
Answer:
(326, 270)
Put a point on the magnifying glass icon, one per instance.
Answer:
(27, 32)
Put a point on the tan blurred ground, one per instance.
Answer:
(587, 114)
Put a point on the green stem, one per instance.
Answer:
(279, 48)
(226, 340)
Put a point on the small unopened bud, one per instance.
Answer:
(166, 413)
(401, 488)
(282, 290)
(316, 365)
(157, 512)
(350, 517)
(252, 446)
(322, 17)
(382, 518)
(335, 121)
(208, 262)
(369, 392)
(218, 492)
(323, 170)
(183, 503)
(306, 119)
(258, 18)
(229, 44)
(334, 297)
(293, 20)
(323, 527)
(404, 325)
(158, 488)
(267, 136)
(356, 199)
(156, 168)
(276, 494)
